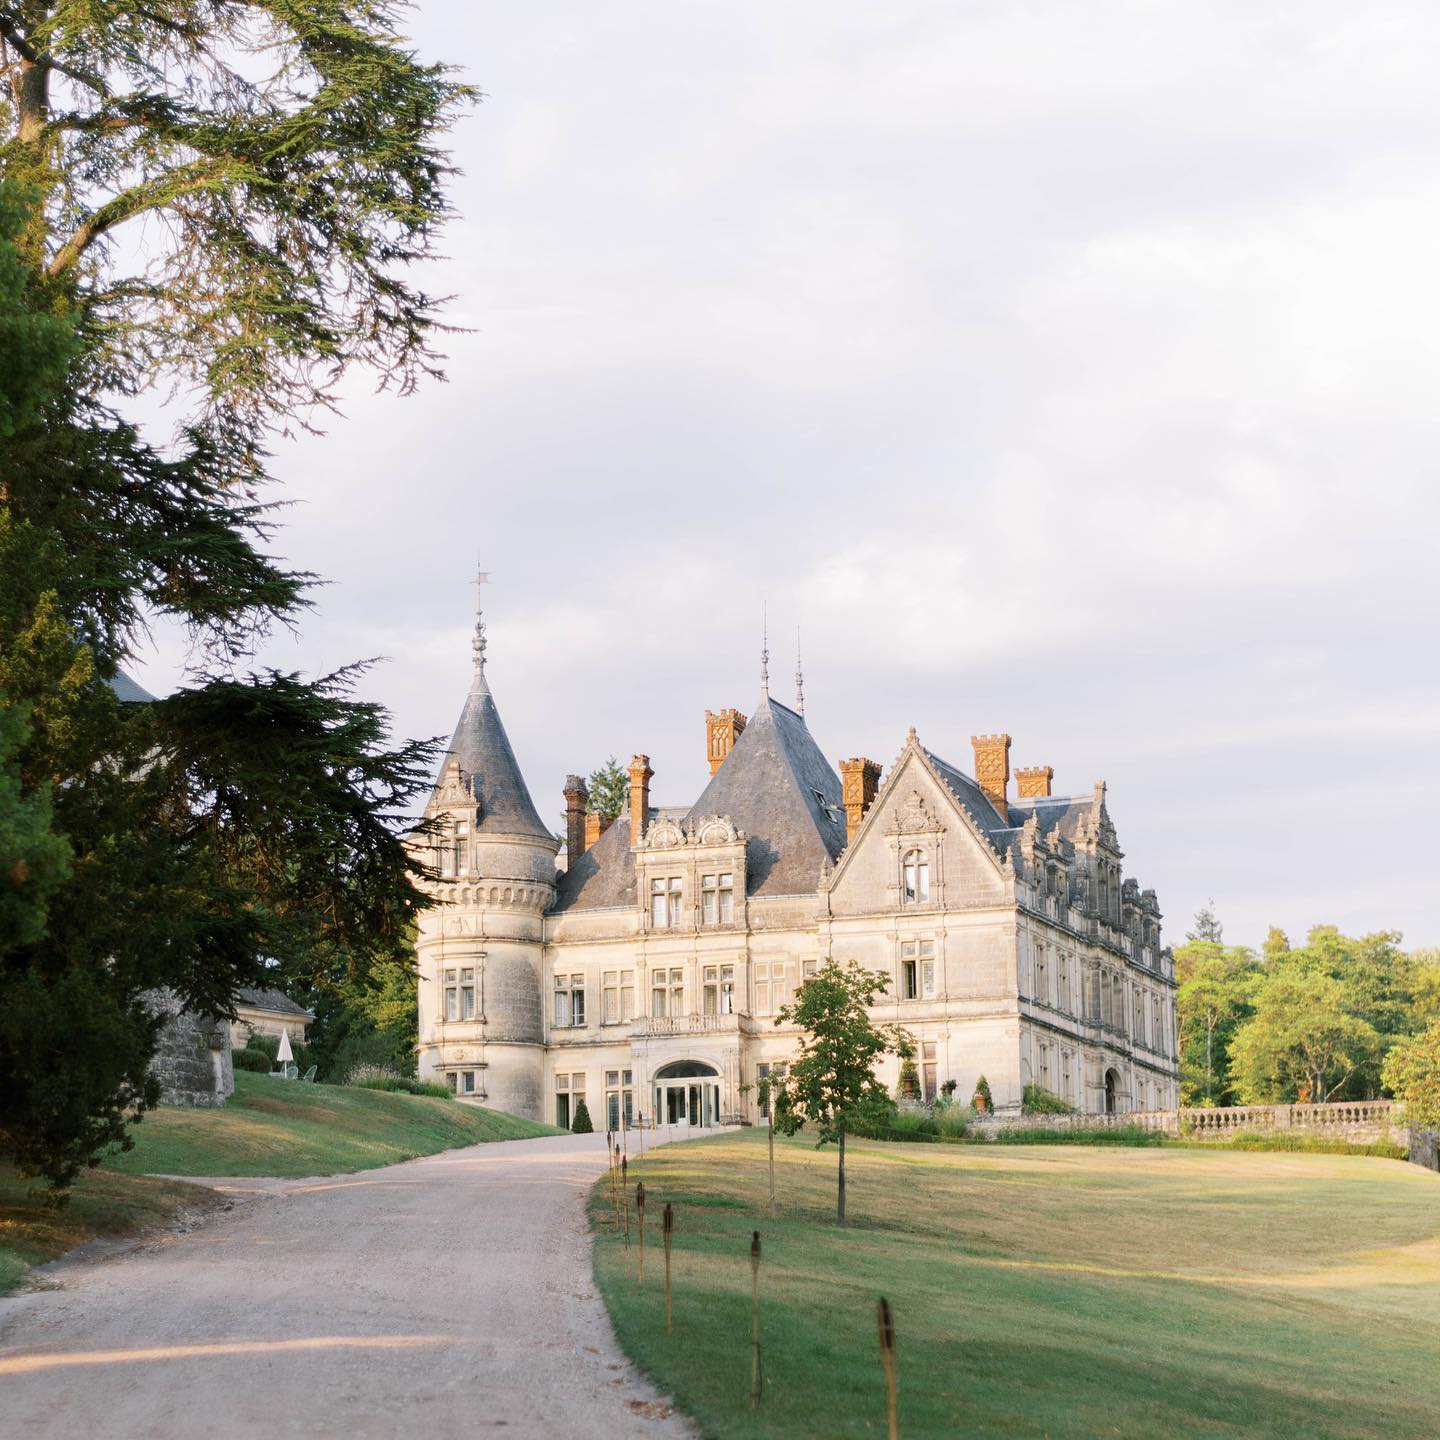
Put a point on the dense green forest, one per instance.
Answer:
(1294, 1023)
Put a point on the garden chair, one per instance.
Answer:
(308, 1078)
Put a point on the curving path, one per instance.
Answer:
(448, 1296)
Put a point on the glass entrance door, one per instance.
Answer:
(687, 1102)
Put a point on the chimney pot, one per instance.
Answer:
(640, 775)
(992, 770)
(1034, 782)
(721, 733)
(859, 782)
(576, 798)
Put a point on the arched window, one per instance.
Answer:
(915, 878)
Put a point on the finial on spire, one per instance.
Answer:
(477, 644)
(799, 677)
(765, 650)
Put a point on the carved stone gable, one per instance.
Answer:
(454, 787)
(914, 818)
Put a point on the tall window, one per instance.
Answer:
(667, 993)
(928, 1069)
(761, 1073)
(665, 897)
(1139, 1017)
(916, 874)
(1042, 976)
(718, 983)
(447, 851)
(569, 1000)
(717, 899)
(619, 1100)
(452, 995)
(1065, 1074)
(619, 996)
(917, 969)
(562, 1101)
(461, 847)
(1063, 974)
(772, 991)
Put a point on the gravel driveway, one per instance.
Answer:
(445, 1297)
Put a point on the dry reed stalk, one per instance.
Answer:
(640, 1214)
(755, 1319)
(885, 1323)
(668, 1227)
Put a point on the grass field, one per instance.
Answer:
(1056, 1291)
(281, 1127)
(100, 1204)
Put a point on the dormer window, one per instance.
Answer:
(665, 896)
(915, 878)
(461, 846)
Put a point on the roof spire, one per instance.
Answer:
(477, 644)
(765, 649)
(799, 677)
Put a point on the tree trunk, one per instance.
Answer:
(770, 1119)
(1209, 1037)
(840, 1198)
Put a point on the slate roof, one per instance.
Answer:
(127, 691)
(775, 785)
(1069, 812)
(269, 998)
(604, 876)
(780, 790)
(971, 796)
(483, 749)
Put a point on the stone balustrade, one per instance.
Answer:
(1361, 1121)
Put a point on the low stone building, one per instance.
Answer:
(192, 1054)
(268, 1011)
(645, 973)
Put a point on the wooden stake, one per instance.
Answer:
(770, 1118)
(627, 1219)
(754, 1319)
(885, 1322)
(669, 1226)
(640, 1213)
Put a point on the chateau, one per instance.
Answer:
(643, 971)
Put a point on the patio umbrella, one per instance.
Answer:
(285, 1054)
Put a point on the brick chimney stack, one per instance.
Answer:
(596, 826)
(1034, 783)
(992, 769)
(640, 775)
(859, 781)
(721, 733)
(576, 799)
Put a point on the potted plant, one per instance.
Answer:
(981, 1099)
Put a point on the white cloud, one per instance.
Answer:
(1062, 368)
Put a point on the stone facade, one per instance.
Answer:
(192, 1059)
(646, 971)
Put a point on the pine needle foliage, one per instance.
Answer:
(226, 202)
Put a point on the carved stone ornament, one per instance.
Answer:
(454, 787)
(717, 830)
(914, 817)
(664, 835)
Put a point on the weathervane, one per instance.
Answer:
(765, 650)
(477, 645)
(799, 677)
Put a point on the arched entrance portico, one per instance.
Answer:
(1112, 1091)
(687, 1092)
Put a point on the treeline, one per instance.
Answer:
(1297, 1023)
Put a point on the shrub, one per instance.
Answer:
(255, 1060)
(907, 1122)
(1126, 1135)
(581, 1125)
(265, 1044)
(952, 1122)
(1037, 1100)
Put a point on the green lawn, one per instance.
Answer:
(100, 1204)
(1055, 1291)
(281, 1127)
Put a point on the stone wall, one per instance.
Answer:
(192, 1060)
(1360, 1122)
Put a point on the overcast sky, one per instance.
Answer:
(1064, 369)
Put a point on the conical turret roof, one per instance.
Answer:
(487, 760)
